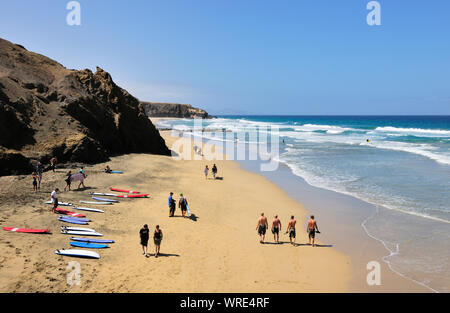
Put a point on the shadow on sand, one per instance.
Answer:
(164, 255)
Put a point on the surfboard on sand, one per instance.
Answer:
(105, 200)
(91, 240)
(88, 245)
(133, 196)
(60, 203)
(113, 172)
(103, 194)
(123, 190)
(69, 213)
(96, 202)
(80, 233)
(81, 219)
(27, 230)
(89, 210)
(78, 253)
(83, 229)
(72, 221)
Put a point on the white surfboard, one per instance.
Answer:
(78, 229)
(103, 194)
(80, 233)
(188, 210)
(89, 209)
(78, 253)
(96, 202)
(60, 203)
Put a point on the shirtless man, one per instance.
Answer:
(261, 227)
(311, 229)
(291, 229)
(276, 226)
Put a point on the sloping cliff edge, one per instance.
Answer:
(47, 110)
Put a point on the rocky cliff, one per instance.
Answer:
(159, 109)
(78, 116)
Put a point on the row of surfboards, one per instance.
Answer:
(77, 218)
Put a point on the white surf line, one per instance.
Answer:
(391, 253)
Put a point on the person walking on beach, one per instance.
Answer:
(206, 171)
(261, 227)
(54, 199)
(214, 171)
(39, 171)
(53, 162)
(68, 180)
(144, 234)
(311, 229)
(171, 205)
(276, 226)
(291, 229)
(182, 204)
(35, 184)
(157, 238)
(81, 171)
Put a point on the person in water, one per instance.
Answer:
(291, 229)
(144, 234)
(214, 171)
(171, 205)
(35, 183)
(276, 226)
(68, 180)
(182, 204)
(261, 227)
(311, 229)
(157, 238)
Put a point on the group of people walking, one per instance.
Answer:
(182, 204)
(144, 233)
(213, 170)
(263, 225)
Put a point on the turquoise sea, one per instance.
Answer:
(400, 163)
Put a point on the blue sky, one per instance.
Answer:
(253, 57)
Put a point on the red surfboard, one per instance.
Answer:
(122, 190)
(67, 212)
(26, 230)
(133, 196)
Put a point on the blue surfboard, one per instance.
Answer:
(91, 240)
(87, 245)
(114, 172)
(105, 200)
(71, 221)
(80, 219)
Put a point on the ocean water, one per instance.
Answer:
(400, 163)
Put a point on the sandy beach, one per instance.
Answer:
(216, 250)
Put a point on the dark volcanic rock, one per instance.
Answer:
(159, 109)
(78, 116)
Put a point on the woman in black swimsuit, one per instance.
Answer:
(157, 237)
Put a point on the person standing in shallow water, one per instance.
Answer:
(157, 238)
(144, 234)
(262, 227)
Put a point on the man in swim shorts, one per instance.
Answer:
(276, 226)
(144, 234)
(291, 229)
(54, 199)
(311, 229)
(261, 227)
(182, 204)
(171, 205)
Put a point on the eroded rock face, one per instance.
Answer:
(78, 116)
(159, 109)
